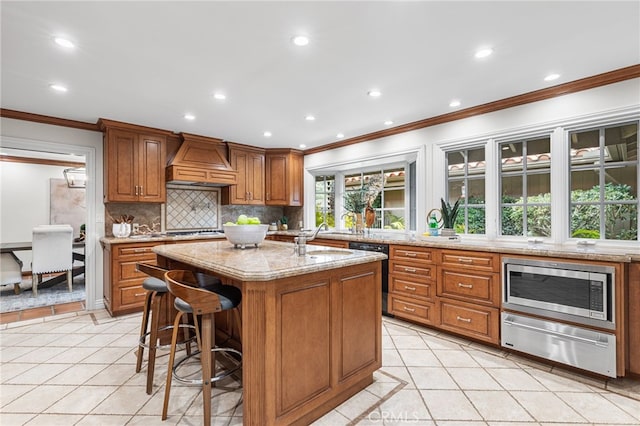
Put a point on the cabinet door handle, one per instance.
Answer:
(136, 189)
(406, 287)
(465, 285)
(268, 196)
(408, 309)
(141, 250)
(459, 318)
(465, 260)
(412, 270)
(141, 191)
(250, 195)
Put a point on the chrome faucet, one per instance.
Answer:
(300, 242)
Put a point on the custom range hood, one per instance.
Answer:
(201, 161)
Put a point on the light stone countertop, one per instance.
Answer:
(270, 260)
(598, 252)
(159, 238)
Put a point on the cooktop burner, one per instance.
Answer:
(197, 232)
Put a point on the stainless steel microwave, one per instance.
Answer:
(571, 291)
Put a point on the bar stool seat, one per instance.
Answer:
(202, 303)
(156, 293)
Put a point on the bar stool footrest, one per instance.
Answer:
(143, 339)
(216, 378)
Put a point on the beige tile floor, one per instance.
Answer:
(79, 369)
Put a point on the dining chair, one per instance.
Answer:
(10, 271)
(52, 247)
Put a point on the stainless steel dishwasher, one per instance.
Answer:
(380, 248)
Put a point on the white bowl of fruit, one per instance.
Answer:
(245, 232)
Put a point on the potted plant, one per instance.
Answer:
(449, 216)
(284, 221)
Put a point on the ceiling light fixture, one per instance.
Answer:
(219, 96)
(58, 87)
(552, 77)
(374, 93)
(63, 42)
(310, 118)
(302, 145)
(388, 122)
(454, 103)
(189, 117)
(484, 52)
(300, 40)
(340, 135)
(267, 134)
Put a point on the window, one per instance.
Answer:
(389, 204)
(325, 200)
(525, 187)
(465, 181)
(604, 179)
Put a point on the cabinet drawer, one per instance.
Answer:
(411, 288)
(422, 273)
(127, 269)
(474, 286)
(471, 260)
(411, 254)
(133, 295)
(423, 312)
(474, 321)
(123, 251)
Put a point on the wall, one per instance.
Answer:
(430, 185)
(45, 137)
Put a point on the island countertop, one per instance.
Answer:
(270, 260)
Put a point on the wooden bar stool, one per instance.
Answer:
(203, 304)
(157, 293)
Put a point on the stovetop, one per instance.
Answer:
(196, 232)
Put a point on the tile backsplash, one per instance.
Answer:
(192, 209)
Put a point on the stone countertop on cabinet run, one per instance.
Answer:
(596, 252)
(269, 261)
(159, 238)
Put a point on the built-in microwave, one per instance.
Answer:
(561, 290)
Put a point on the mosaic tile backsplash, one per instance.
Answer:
(192, 209)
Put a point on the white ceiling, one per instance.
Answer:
(149, 63)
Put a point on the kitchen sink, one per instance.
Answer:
(329, 253)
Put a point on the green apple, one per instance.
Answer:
(254, 221)
(242, 220)
(230, 223)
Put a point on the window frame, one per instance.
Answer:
(464, 204)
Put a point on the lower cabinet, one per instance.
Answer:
(122, 284)
(470, 319)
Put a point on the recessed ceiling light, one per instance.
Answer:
(61, 41)
(302, 145)
(189, 117)
(300, 40)
(374, 93)
(454, 103)
(58, 87)
(340, 135)
(552, 77)
(484, 52)
(267, 134)
(219, 96)
(388, 122)
(310, 117)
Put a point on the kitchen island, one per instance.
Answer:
(311, 325)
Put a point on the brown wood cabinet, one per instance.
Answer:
(284, 177)
(249, 162)
(134, 163)
(469, 294)
(330, 243)
(122, 284)
(633, 330)
(412, 282)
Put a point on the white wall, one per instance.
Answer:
(618, 98)
(44, 137)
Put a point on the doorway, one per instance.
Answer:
(40, 149)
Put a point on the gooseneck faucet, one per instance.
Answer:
(301, 240)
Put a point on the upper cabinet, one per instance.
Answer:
(248, 162)
(284, 177)
(134, 163)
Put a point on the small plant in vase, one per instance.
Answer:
(449, 216)
(284, 223)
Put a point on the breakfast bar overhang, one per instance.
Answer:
(311, 325)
